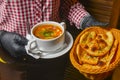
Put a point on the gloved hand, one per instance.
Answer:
(91, 21)
(13, 43)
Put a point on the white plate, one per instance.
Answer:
(69, 41)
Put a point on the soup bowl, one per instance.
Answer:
(47, 36)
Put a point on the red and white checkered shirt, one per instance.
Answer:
(14, 14)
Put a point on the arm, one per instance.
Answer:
(75, 12)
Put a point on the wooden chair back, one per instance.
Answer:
(104, 10)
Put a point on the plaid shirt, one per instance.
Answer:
(14, 14)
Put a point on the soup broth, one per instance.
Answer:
(47, 31)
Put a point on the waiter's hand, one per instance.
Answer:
(13, 43)
(91, 21)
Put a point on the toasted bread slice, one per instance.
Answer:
(107, 59)
(84, 57)
(97, 44)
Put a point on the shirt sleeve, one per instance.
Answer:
(74, 11)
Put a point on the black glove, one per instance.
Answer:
(91, 21)
(13, 43)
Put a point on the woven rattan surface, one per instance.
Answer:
(73, 74)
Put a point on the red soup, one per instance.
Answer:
(47, 31)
